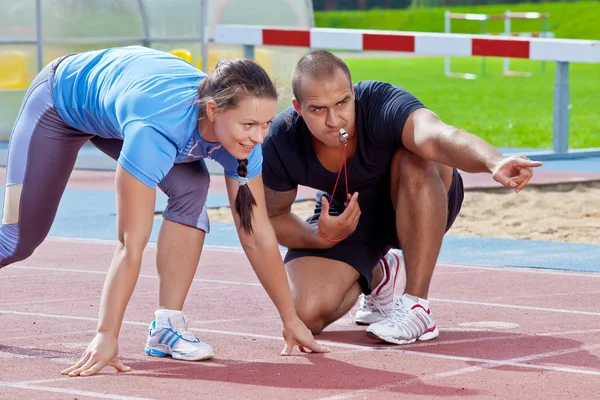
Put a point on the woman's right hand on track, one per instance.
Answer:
(297, 334)
(102, 351)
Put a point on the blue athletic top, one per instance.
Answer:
(148, 99)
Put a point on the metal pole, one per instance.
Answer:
(249, 51)
(39, 35)
(561, 108)
(483, 32)
(544, 34)
(507, 33)
(447, 30)
(204, 43)
(311, 10)
(145, 25)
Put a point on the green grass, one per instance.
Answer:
(574, 20)
(506, 111)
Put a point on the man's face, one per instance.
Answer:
(327, 105)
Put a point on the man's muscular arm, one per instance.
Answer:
(291, 231)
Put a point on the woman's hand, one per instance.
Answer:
(296, 333)
(102, 351)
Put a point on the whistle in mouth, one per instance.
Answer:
(343, 136)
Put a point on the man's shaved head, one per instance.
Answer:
(317, 65)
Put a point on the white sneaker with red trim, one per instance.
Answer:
(380, 303)
(411, 320)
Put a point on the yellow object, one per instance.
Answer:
(14, 70)
(183, 54)
(262, 56)
(214, 56)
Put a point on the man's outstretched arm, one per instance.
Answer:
(426, 135)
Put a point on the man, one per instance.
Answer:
(401, 190)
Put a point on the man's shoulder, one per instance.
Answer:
(379, 95)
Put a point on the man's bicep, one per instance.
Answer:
(279, 202)
(422, 131)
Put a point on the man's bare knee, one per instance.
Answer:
(311, 317)
(321, 289)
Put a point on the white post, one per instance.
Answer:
(447, 30)
(507, 33)
(561, 108)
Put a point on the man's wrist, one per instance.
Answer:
(320, 241)
(493, 162)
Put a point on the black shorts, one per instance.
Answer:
(364, 255)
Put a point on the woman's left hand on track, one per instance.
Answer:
(296, 333)
(102, 351)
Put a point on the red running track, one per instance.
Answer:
(505, 333)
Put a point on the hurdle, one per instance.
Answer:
(508, 16)
(561, 51)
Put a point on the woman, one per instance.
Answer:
(158, 116)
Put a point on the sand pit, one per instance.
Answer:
(563, 213)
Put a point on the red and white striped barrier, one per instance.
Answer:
(446, 44)
(563, 51)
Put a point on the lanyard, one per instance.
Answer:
(344, 140)
(342, 166)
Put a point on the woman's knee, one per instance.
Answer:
(12, 248)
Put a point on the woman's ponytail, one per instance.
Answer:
(244, 200)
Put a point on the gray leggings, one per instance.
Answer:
(41, 155)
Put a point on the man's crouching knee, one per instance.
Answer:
(312, 318)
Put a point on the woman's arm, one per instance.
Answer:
(263, 254)
(135, 216)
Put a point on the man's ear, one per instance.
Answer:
(296, 106)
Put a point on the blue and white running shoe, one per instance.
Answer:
(176, 341)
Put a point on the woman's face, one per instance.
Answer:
(241, 128)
